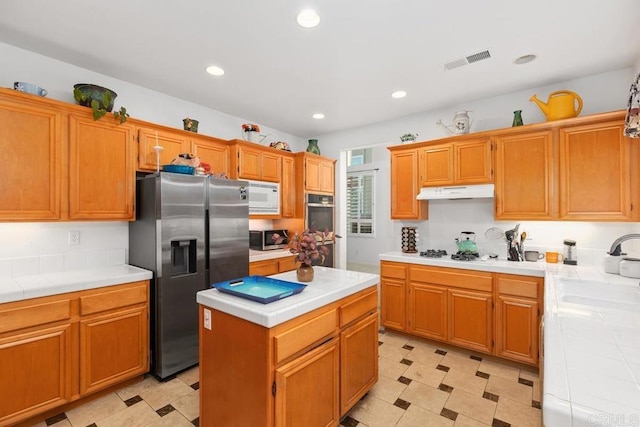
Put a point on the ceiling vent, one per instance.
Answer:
(467, 60)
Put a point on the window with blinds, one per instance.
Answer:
(360, 203)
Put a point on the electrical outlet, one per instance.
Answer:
(74, 237)
(207, 318)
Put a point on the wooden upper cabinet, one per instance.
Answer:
(472, 161)
(172, 143)
(595, 172)
(463, 162)
(524, 176)
(319, 174)
(288, 188)
(258, 164)
(215, 153)
(32, 161)
(436, 165)
(101, 169)
(404, 186)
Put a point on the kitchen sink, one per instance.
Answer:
(598, 294)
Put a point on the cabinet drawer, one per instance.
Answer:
(15, 318)
(518, 286)
(393, 270)
(263, 268)
(135, 293)
(304, 335)
(358, 307)
(465, 279)
(287, 264)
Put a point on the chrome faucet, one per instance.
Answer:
(615, 246)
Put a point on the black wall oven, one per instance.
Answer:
(320, 213)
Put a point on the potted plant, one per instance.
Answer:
(308, 246)
(100, 99)
(408, 137)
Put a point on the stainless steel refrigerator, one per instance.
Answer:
(191, 231)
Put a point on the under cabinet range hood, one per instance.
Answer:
(477, 191)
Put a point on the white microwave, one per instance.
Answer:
(264, 198)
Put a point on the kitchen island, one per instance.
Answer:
(303, 360)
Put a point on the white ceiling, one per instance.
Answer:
(278, 74)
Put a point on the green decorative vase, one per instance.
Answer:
(313, 147)
(517, 118)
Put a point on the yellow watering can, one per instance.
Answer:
(560, 105)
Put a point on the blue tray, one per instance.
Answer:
(184, 169)
(259, 288)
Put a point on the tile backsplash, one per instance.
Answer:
(40, 248)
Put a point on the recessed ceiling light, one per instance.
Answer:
(308, 18)
(524, 59)
(399, 94)
(215, 70)
(318, 116)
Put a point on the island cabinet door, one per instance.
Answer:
(358, 361)
(307, 389)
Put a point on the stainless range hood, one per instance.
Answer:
(478, 191)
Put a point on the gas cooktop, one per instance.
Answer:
(465, 256)
(434, 253)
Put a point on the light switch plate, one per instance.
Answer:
(207, 319)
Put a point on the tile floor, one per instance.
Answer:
(420, 384)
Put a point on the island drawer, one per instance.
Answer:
(297, 338)
(358, 307)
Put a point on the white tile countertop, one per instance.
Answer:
(41, 285)
(329, 285)
(591, 374)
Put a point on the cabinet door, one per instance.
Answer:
(172, 144)
(113, 348)
(271, 165)
(358, 361)
(393, 303)
(288, 188)
(517, 328)
(404, 186)
(436, 165)
(595, 175)
(472, 162)
(428, 311)
(307, 389)
(327, 177)
(470, 319)
(35, 368)
(525, 176)
(101, 169)
(249, 163)
(312, 174)
(215, 154)
(32, 153)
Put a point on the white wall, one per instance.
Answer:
(59, 77)
(602, 92)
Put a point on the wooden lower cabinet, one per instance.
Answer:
(427, 311)
(35, 368)
(272, 266)
(307, 371)
(470, 319)
(358, 361)
(491, 313)
(518, 302)
(307, 389)
(61, 348)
